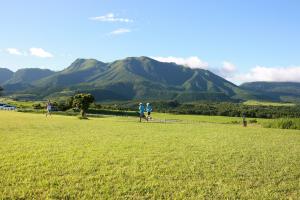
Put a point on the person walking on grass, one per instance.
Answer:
(48, 108)
(148, 110)
(141, 112)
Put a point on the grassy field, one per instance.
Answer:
(265, 103)
(118, 158)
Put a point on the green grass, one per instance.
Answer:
(283, 123)
(205, 118)
(118, 158)
(266, 103)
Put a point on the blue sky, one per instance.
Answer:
(240, 40)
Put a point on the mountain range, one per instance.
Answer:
(128, 79)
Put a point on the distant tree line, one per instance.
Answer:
(85, 105)
(221, 109)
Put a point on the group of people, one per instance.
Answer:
(143, 109)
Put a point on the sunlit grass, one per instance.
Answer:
(62, 157)
(265, 103)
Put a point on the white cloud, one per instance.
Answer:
(228, 67)
(120, 31)
(192, 62)
(261, 73)
(227, 70)
(110, 17)
(39, 52)
(14, 51)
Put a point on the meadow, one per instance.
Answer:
(266, 103)
(174, 157)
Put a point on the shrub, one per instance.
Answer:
(82, 101)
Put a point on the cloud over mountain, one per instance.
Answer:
(262, 73)
(192, 61)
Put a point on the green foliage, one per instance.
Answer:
(1, 90)
(83, 101)
(284, 123)
(215, 108)
(118, 158)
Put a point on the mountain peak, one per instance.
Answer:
(140, 58)
(83, 64)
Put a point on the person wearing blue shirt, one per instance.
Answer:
(141, 112)
(148, 110)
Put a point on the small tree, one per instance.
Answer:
(83, 102)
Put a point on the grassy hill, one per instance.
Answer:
(118, 158)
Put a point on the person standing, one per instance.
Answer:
(48, 108)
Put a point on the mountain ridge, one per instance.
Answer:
(131, 78)
(277, 91)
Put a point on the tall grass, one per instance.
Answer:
(283, 123)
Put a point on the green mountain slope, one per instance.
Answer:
(80, 71)
(5, 75)
(279, 91)
(29, 75)
(135, 78)
(23, 79)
